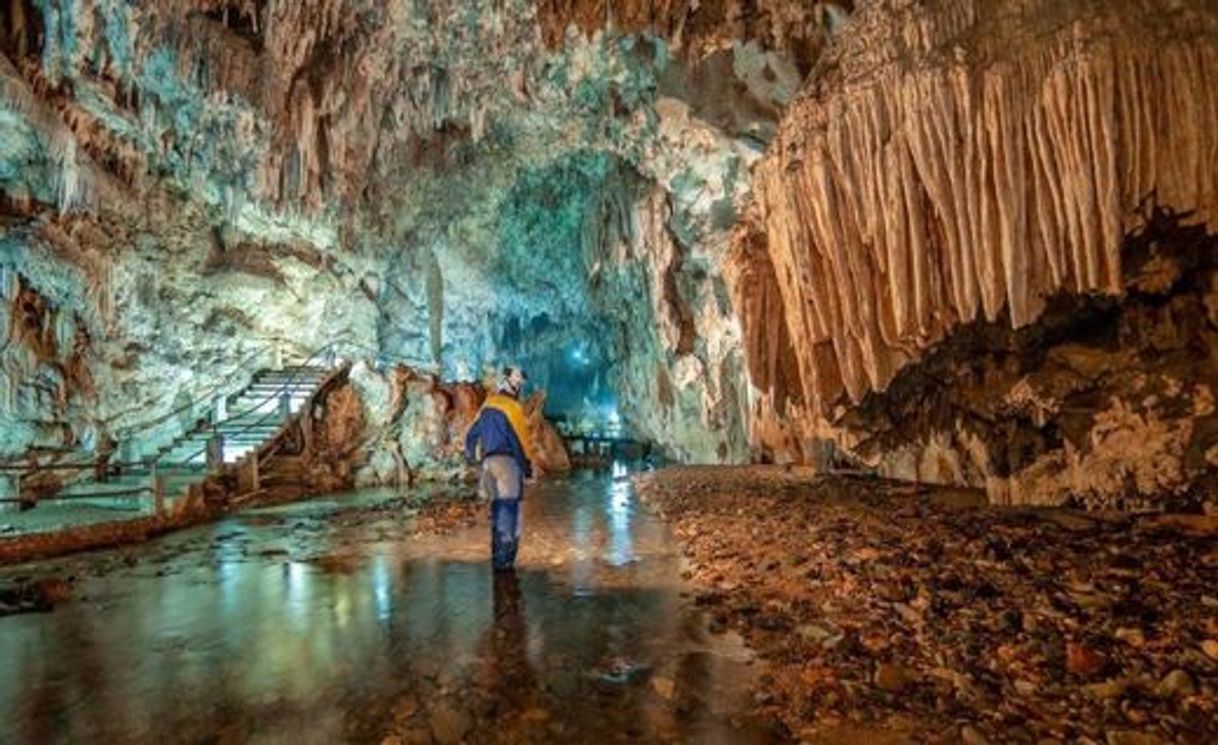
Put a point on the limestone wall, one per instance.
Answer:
(400, 426)
(960, 162)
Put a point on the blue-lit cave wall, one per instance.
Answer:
(561, 335)
(523, 297)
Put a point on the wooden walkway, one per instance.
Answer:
(606, 447)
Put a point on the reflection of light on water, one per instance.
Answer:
(621, 541)
(581, 529)
(380, 587)
(342, 601)
(581, 538)
(535, 645)
(228, 570)
(296, 579)
(619, 470)
(281, 658)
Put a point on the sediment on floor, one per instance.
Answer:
(929, 613)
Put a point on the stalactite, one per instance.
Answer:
(697, 27)
(68, 185)
(768, 347)
(75, 181)
(435, 306)
(968, 161)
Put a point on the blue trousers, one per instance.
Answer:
(505, 532)
(503, 484)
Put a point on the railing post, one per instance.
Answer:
(10, 488)
(248, 478)
(285, 405)
(215, 450)
(220, 409)
(24, 501)
(158, 489)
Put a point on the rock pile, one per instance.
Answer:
(922, 611)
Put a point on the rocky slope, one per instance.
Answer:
(398, 427)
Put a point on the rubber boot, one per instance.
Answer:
(505, 532)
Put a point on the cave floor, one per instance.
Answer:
(375, 617)
(928, 614)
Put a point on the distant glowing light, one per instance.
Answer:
(613, 421)
(582, 546)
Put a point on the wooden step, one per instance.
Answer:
(279, 378)
(248, 429)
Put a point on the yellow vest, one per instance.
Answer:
(514, 412)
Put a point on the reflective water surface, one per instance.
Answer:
(326, 622)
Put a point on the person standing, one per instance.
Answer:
(499, 439)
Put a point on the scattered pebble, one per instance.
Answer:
(664, 687)
(872, 601)
(1176, 683)
(1210, 648)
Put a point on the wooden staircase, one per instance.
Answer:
(251, 417)
(245, 422)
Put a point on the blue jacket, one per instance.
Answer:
(501, 429)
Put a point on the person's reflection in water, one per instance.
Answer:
(507, 681)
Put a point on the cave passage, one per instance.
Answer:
(901, 316)
(331, 621)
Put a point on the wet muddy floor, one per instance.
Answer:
(334, 621)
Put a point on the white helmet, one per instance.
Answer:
(513, 380)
